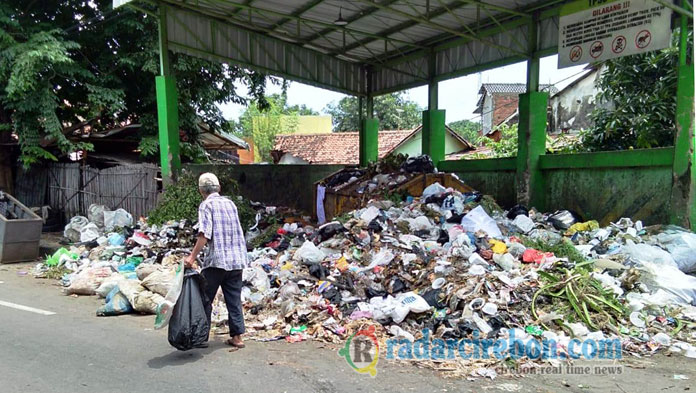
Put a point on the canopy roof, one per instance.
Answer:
(385, 45)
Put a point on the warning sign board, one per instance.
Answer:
(594, 30)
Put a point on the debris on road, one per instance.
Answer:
(451, 262)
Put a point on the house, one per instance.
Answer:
(571, 107)
(121, 145)
(498, 104)
(342, 147)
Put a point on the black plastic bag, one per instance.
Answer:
(189, 327)
(421, 164)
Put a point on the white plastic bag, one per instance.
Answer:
(414, 302)
(647, 253)
(166, 307)
(117, 218)
(433, 189)
(309, 253)
(383, 257)
(523, 223)
(478, 220)
(72, 230)
(95, 213)
(669, 278)
(257, 277)
(89, 232)
(681, 245)
(369, 214)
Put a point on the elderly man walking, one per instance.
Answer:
(226, 257)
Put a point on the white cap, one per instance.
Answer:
(208, 179)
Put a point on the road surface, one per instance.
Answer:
(54, 343)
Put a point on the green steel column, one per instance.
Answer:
(531, 136)
(683, 198)
(167, 108)
(369, 134)
(433, 143)
(531, 132)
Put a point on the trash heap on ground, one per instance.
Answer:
(451, 262)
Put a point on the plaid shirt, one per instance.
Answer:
(219, 223)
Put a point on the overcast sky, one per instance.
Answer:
(457, 96)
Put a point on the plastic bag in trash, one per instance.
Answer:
(116, 219)
(647, 253)
(95, 213)
(563, 219)
(160, 281)
(414, 302)
(681, 245)
(433, 190)
(72, 230)
(257, 277)
(89, 232)
(109, 284)
(189, 326)
(116, 304)
(309, 253)
(669, 278)
(58, 256)
(88, 280)
(420, 164)
(147, 302)
(478, 220)
(165, 309)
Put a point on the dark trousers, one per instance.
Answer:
(231, 283)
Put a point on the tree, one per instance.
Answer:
(467, 129)
(638, 94)
(262, 124)
(394, 112)
(73, 62)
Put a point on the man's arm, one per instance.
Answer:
(201, 241)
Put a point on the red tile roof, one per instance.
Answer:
(335, 147)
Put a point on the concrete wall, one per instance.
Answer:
(603, 186)
(279, 185)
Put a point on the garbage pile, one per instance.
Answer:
(460, 266)
(381, 176)
(454, 263)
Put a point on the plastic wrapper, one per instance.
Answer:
(89, 232)
(309, 253)
(117, 219)
(166, 307)
(72, 230)
(478, 220)
(95, 214)
(116, 304)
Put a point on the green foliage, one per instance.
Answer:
(468, 130)
(507, 146)
(181, 200)
(263, 123)
(562, 249)
(394, 112)
(69, 61)
(638, 94)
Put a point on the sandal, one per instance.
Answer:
(236, 345)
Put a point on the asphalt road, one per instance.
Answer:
(75, 351)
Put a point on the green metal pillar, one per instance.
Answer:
(683, 198)
(167, 108)
(531, 133)
(369, 136)
(433, 142)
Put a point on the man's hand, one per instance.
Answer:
(190, 261)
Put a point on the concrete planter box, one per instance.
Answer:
(20, 231)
